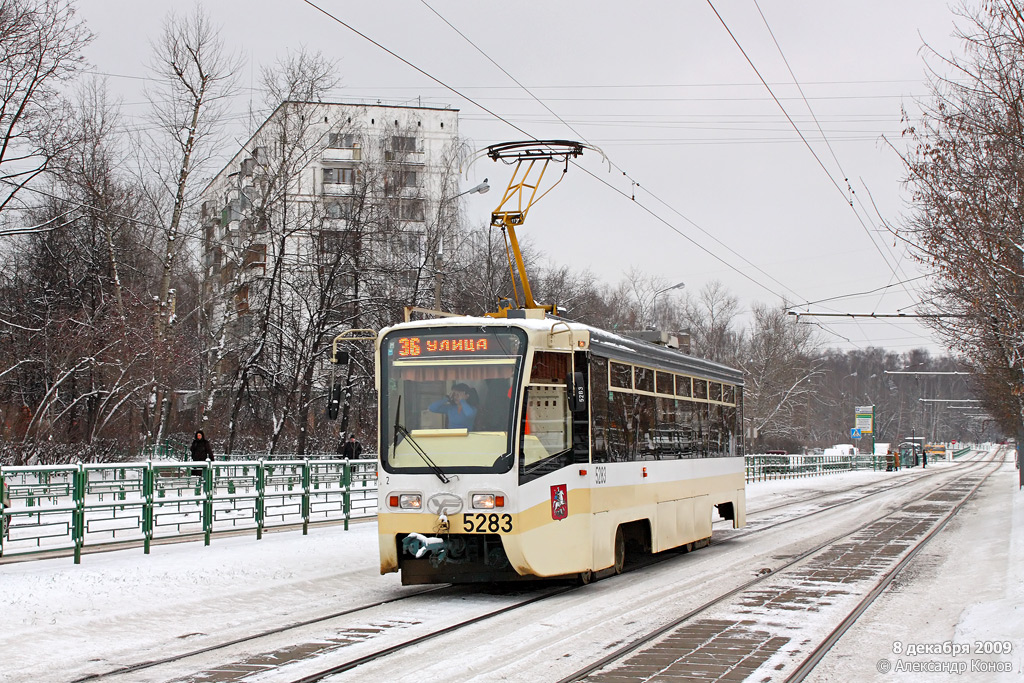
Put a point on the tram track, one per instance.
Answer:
(815, 656)
(347, 666)
(149, 664)
(819, 652)
(825, 494)
(557, 591)
(392, 650)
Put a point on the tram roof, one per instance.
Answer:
(638, 351)
(607, 344)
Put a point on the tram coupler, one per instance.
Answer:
(419, 546)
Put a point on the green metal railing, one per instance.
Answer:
(767, 467)
(70, 507)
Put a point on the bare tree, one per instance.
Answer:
(968, 214)
(40, 48)
(781, 365)
(195, 77)
(711, 318)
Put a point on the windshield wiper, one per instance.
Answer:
(399, 429)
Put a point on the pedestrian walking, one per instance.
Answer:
(351, 449)
(201, 451)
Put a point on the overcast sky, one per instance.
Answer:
(727, 190)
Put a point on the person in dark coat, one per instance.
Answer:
(200, 450)
(352, 448)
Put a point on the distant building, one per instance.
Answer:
(343, 200)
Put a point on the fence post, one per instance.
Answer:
(207, 502)
(346, 481)
(147, 505)
(261, 483)
(4, 518)
(305, 496)
(78, 516)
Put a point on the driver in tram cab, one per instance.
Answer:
(459, 406)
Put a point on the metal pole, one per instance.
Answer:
(305, 496)
(261, 489)
(207, 502)
(147, 505)
(346, 481)
(78, 516)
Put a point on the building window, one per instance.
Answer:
(408, 244)
(341, 141)
(242, 300)
(403, 143)
(339, 241)
(255, 256)
(339, 176)
(397, 180)
(411, 210)
(338, 209)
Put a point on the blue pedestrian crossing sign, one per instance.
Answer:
(854, 433)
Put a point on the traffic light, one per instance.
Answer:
(334, 403)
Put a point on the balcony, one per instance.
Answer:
(404, 157)
(339, 189)
(342, 154)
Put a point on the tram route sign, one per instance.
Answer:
(864, 419)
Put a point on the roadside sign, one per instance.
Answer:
(864, 419)
(855, 433)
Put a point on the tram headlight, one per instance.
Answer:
(410, 501)
(487, 501)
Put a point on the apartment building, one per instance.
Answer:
(343, 199)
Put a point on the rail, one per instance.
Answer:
(767, 467)
(71, 507)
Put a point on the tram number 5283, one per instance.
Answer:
(481, 523)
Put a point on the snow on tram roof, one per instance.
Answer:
(617, 346)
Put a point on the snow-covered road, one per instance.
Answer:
(62, 622)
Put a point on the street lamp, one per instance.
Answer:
(654, 299)
(482, 188)
(678, 285)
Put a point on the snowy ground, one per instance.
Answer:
(63, 621)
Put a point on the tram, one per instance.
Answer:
(574, 447)
(522, 445)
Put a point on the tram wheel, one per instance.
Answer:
(620, 551)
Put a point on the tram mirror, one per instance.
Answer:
(579, 391)
(334, 403)
(340, 358)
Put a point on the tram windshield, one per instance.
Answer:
(447, 398)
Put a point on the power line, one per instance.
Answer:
(849, 200)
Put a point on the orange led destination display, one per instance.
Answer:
(413, 347)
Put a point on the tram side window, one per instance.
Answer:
(599, 408)
(731, 429)
(700, 389)
(644, 379)
(621, 375)
(718, 434)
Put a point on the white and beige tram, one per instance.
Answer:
(532, 447)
